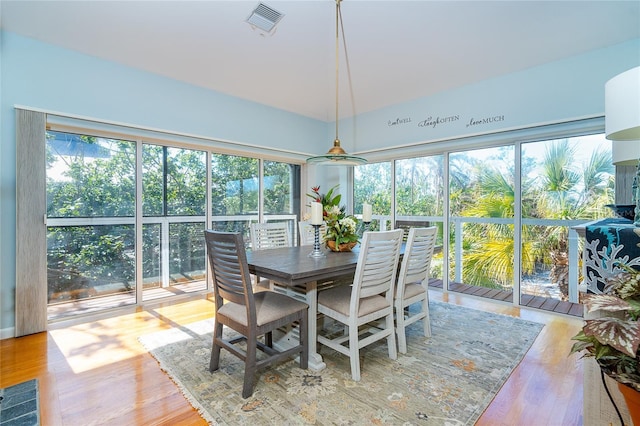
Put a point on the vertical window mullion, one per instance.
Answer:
(208, 214)
(165, 209)
(260, 190)
(139, 269)
(517, 225)
(164, 244)
(446, 222)
(394, 203)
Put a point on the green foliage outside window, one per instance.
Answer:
(558, 182)
(93, 179)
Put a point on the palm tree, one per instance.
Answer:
(568, 190)
(490, 247)
(563, 189)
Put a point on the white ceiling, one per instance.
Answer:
(397, 50)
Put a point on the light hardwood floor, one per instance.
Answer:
(98, 373)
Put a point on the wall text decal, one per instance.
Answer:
(433, 122)
(398, 121)
(486, 120)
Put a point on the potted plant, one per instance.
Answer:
(613, 338)
(341, 233)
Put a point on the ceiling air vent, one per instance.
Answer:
(264, 17)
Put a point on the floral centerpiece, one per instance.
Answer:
(613, 338)
(341, 228)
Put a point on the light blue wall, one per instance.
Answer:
(569, 89)
(42, 76)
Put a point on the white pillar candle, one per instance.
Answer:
(366, 212)
(316, 213)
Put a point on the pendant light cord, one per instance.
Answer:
(338, 20)
(340, 30)
(336, 155)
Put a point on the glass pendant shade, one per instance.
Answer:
(336, 156)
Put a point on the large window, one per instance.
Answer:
(174, 182)
(420, 196)
(372, 184)
(419, 186)
(481, 200)
(234, 193)
(282, 194)
(95, 217)
(545, 187)
(90, 217)
(564, 182)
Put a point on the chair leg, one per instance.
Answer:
(400, 330)
(215, 348)
(354, 353)
(425, 321)
(391, 339)
(250, 367)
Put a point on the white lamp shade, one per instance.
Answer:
(622, 106)
(625, 153)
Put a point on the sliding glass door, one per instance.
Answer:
(174, 192)
(235, 193)
(373, 184)
(565, 182)
(125, 219)
(509, 232)
(90, 223)
(419, 190)
(481, 217)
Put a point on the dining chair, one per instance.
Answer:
(413, 283)
(266, 236)
(406, 225)
(368, 300)
(307, 233)
(270, 235)
(249, 314)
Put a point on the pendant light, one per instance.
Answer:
(622, 106)
(337, 156)
(622, 121)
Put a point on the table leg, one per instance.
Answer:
(286, 339)
(315, 359)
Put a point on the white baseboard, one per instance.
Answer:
(7, 333)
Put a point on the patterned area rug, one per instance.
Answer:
(447, 379)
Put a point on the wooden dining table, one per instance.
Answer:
(299, 274)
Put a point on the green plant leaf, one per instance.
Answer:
(621, 335)
(582, 346)
(605, 302)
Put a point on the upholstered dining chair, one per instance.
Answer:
(307, 233)
(413, 281)
(249, 314)
(368, 300)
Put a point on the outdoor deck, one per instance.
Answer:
(537, 302)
